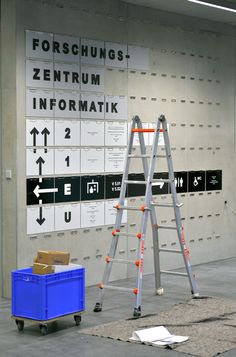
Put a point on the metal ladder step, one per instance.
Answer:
(135, 182)
(170, 250)
(122, 261)
(173, 273)
(166, 227)
(113, 287)
(167, 204)
(131, 156)
(132, 208)
(122, 234)
(161, 180)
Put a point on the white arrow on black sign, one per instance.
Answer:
(161, 184)
(37, 190)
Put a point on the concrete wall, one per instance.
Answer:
(191, 79)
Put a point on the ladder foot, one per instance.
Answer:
(137, 312)
(160, 291)
(97, 307)
(196, 296)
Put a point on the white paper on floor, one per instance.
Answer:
(156, 336)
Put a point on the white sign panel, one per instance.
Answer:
(110, 212)
(39, 132)
(138, 58)
(116, 55)
(40, 220)
(39, 162)
(92, 214)
(114, 159)
(116, 107)
(67, 217)
(92, 79)
(67, 104)
(67, 161)
(66, 48)
(39, 74)
(92, 106)
(92, 52)
(92, 133)
(66, 76)
(67, 133)
(115, 133)
(39, 103)
(92, 160)
(39, 45)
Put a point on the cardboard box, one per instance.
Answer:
(43, 269)
(52, 257)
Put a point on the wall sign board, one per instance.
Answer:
(112, 186)
(181, 181)
(196, 181)
(92, 188)
(160, 188)
(68, 189)
(67, 217)
(213, 180)
(40, 190)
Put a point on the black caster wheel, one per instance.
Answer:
(77, 319)
(43, 329)
(137, 312)
(20, 325)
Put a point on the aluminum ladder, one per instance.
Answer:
(148, 208)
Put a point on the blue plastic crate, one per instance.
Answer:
(44, 297)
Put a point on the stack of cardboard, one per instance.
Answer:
(47, 261)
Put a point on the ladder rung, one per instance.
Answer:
(167, 204)
(139, 156)
(121, 234)
(170, 250)
(161, 180)
(166, 227)
(122, 261)
(112, 287)
(132, 208)
(160, 156)
(141, 130)
(173, 273)
(136, 182)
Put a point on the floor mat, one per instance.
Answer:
(210, 324)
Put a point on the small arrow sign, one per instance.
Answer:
(45, 132)
(161, 184)
(37, 190)
(34, 132)
(40, 220)
(40, 162)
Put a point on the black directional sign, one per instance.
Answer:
(213, 180)
(68, 189)
(196, 181)
(92, 188)
(135, 190)
(112, 186)
(160, 188)
(40, 190)
(181, 181)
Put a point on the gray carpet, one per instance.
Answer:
(210, 324)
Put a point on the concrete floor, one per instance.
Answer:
(214, 279)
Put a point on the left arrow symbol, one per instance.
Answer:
(40, 220)
(37, 190)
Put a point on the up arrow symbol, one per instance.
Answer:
(34, 132)
(40, 162)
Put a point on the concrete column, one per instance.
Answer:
(8, 144)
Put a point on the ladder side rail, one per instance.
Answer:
(153, 217)
(148, 198)
(188, 267)
(119, 213)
